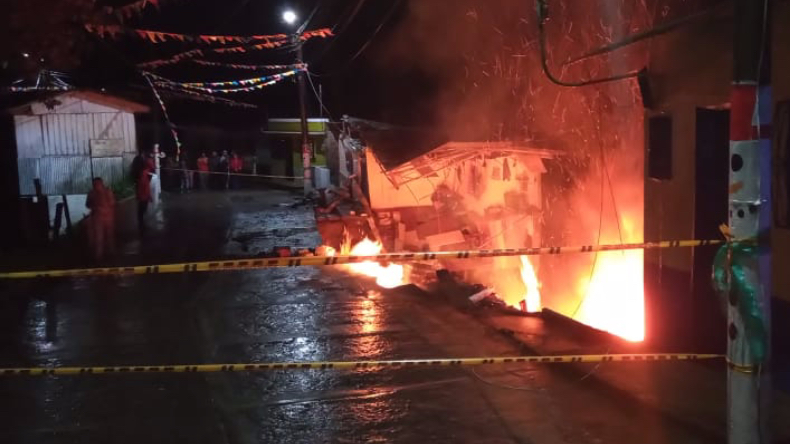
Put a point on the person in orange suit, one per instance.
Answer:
(101, 223)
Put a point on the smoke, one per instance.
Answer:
(486, 56)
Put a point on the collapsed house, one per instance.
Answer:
(429, 194)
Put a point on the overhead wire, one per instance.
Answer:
(542, 18)
(367, 43)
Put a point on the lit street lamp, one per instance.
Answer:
(289, 17)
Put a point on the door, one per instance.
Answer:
(710, 211)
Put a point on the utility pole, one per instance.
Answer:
(306, 149)
(748, 387)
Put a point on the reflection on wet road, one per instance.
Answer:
(266, 315)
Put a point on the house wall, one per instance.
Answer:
(692, 68)
(54, 146)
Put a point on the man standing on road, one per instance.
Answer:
(186, 174)
(143, 192)
(236, 165)
(213, 165)
(101, 223)
(224, 167)
(202, 166)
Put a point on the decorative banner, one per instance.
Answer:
(325, 32)
(127, 11)
(181, 87)
(250, 67)
(241, 82)
(37, 88)
(201, 97)
(164, 112)
(163, 37)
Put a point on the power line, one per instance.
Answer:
(367, 43)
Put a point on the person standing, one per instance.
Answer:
(101, 223)
(202, 166)
(224, 167)
(236, 165)
(213, 166)
(186, 174)
(143, 193)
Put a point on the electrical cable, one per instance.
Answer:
(350, 18)
(650, 33)
(367, 43)
(542, 17)
(317, 96)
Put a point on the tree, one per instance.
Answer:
(37, 33)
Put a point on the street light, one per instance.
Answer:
(289, 17)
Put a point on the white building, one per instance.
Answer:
(66, 140)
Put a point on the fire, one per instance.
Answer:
(530, 279)
(614, 299)
(389, 276)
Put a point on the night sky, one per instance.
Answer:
(352, 81)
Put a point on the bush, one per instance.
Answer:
(123, 188)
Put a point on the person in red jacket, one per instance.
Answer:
(101, 223)
(143, 192)
(202, 166)
(236, 165)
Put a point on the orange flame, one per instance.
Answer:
(389, 276)
(614, 298)
(530, 279)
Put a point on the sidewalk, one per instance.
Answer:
(691, 394)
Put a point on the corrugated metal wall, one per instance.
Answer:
(65, 175)
(56, 149)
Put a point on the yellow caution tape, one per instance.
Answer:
(228, 173)
(256, 263)
(343, 365)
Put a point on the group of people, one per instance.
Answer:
(101, 202)
(216, 172)
(213, 173)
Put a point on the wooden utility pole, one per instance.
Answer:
(750, 217)
(307, 152)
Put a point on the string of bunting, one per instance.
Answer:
(250, 67)
(254, 87)
(242, 82)
(127, 11)
(201, 97)
(325, 32)
(37, 88)
(164, 112)
(113, 31)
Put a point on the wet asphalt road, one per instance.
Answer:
(298, 314)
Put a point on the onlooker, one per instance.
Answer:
(186, 174)
(171, 177)
(224, 167)
(236, 165)
(101, 223)
(213, 165)
(143, 192)
(202, 166)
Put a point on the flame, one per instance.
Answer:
(530, 279)
(389, 276)
(614, 298)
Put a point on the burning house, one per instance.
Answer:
(428, 195)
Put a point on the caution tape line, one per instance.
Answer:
(309, 261)
(344, 365)
(228, 173)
